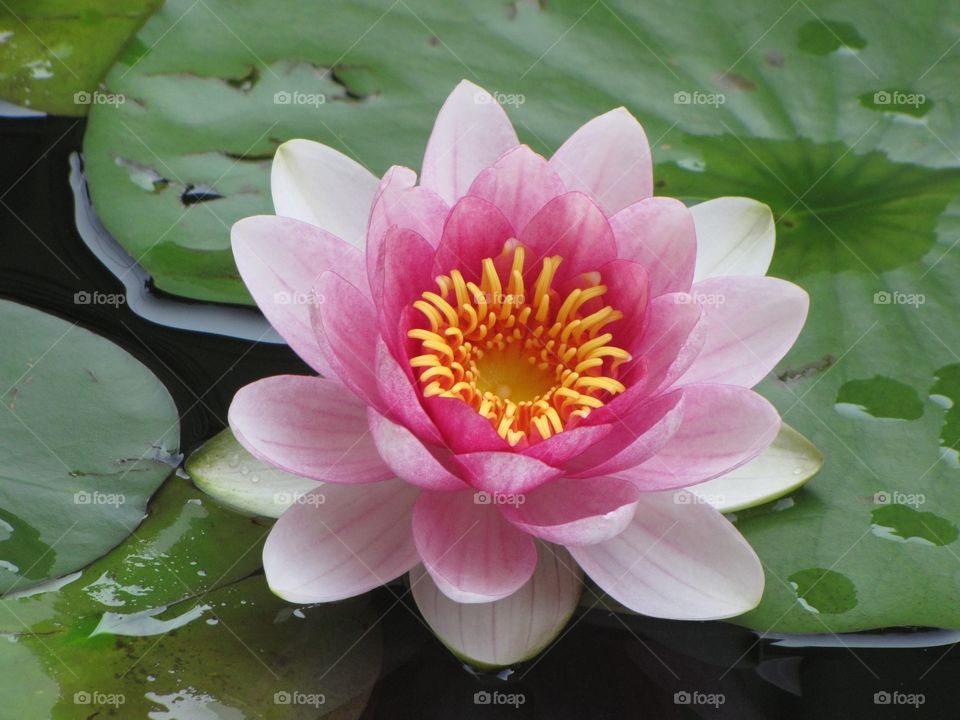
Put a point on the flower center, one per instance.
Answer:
(531, 364)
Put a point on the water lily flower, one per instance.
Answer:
(523, 364)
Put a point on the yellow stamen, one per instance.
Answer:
(529, 365)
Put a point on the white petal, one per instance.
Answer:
(316, 184)
(510, 630)
(224, 470)
(787, 464)
(735, 236)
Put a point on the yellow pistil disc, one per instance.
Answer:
(529, 363)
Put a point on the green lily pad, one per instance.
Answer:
(53, 54)
(841, 117)
(178, 619)
(88, 434)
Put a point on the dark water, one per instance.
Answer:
(605, 666)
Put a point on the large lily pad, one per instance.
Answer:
(87, 434)
(177, 622)
(54, 53)
(840, 116)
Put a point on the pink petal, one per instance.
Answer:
(409, 458)
(558, 449)
(751, 323)
(672, 339)
(519, 183)
(341, 540)
(507, 631)
(280, 260)
(678, 559)
(668, 343)
(464, 429)
(576, 512)
(723, 426)
(402, 203)
(475, 229)
(404, 267)
(470, 551)
(504, 472)
(659, 234)
(307, 426)
(470, 133)
(318, 185)
(628, 290)
(573, 227)
(635, 437)
(347, 333)
(608, 158)
(402, 398)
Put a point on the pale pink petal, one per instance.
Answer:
(316, 184)
(409, 458)
(723, 426)
(659, 234)
(472, 553)
(347, 334)
(507, 631)
(575, 512)
(519, 183)
(475, 230)
(504, 472)
(573, 227)
(470, 133)
(339, 541)
(280, 261)
(402, 203)
(608, 158)
(635, 437)
(735, 236)
(308, 426)
(678, 559)
(751, 323)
